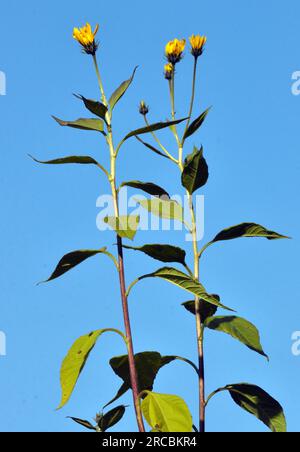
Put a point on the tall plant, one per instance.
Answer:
(163, 412)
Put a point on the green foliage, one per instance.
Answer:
(239, 329)
(104, 421)
(247, 230)
(147, 187)
(153, 128)
(163, 208)
(167, 413)
(83, 423)
(95, 125)
(125, 226)
(74, 362)
(206, 309)
(119, 93)
(148, 364)
(195, 172)
(187, 283)
(152, 148)
(71, 260)
(95, 107)
(81, 160)
(256, 401)
(162, 253)
(196, 124)
(112, 418)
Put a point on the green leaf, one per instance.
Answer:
(119, 93)
(247, 230)
(153, 128)
(96, 125)
(195, 172)
(95, 107)
(83, 423)
(123, 389)
(111, 418)
(239, 329)
(75, 361)
(166, 209)
(152, 148)
(187, 283)
(163, 253)
(148, 364)
(71, 260)
(82, 160)
(206, 309)
(256, 401)
(147, 187)
(196, 124)
(167, 413)
(125, 226)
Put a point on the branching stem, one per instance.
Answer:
(163, 148)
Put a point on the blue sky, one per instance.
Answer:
(251, 143)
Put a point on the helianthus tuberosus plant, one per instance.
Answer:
(163, 412)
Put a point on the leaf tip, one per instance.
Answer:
(59, 121)
(33, 158)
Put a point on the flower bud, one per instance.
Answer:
(169, 71)
(144, 109)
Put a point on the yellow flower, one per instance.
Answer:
(174, 50)
(197, 43)
(86, 37)
(169, 70)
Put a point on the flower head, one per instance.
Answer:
(197, 43)
(169, 71)
(86, 37)
(144, 109)
(174, 50)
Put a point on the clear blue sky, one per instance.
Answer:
(251, 142)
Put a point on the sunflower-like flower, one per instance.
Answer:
(197, 43)
(174, 50)
(86, 37)
(169, 71)
(144, 109)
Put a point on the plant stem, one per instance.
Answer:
(172, 95)
(132, 367)
(103, 97)
(199, 323)
(192, 98)
(121, 268)
(159, 142)
(131, 360)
